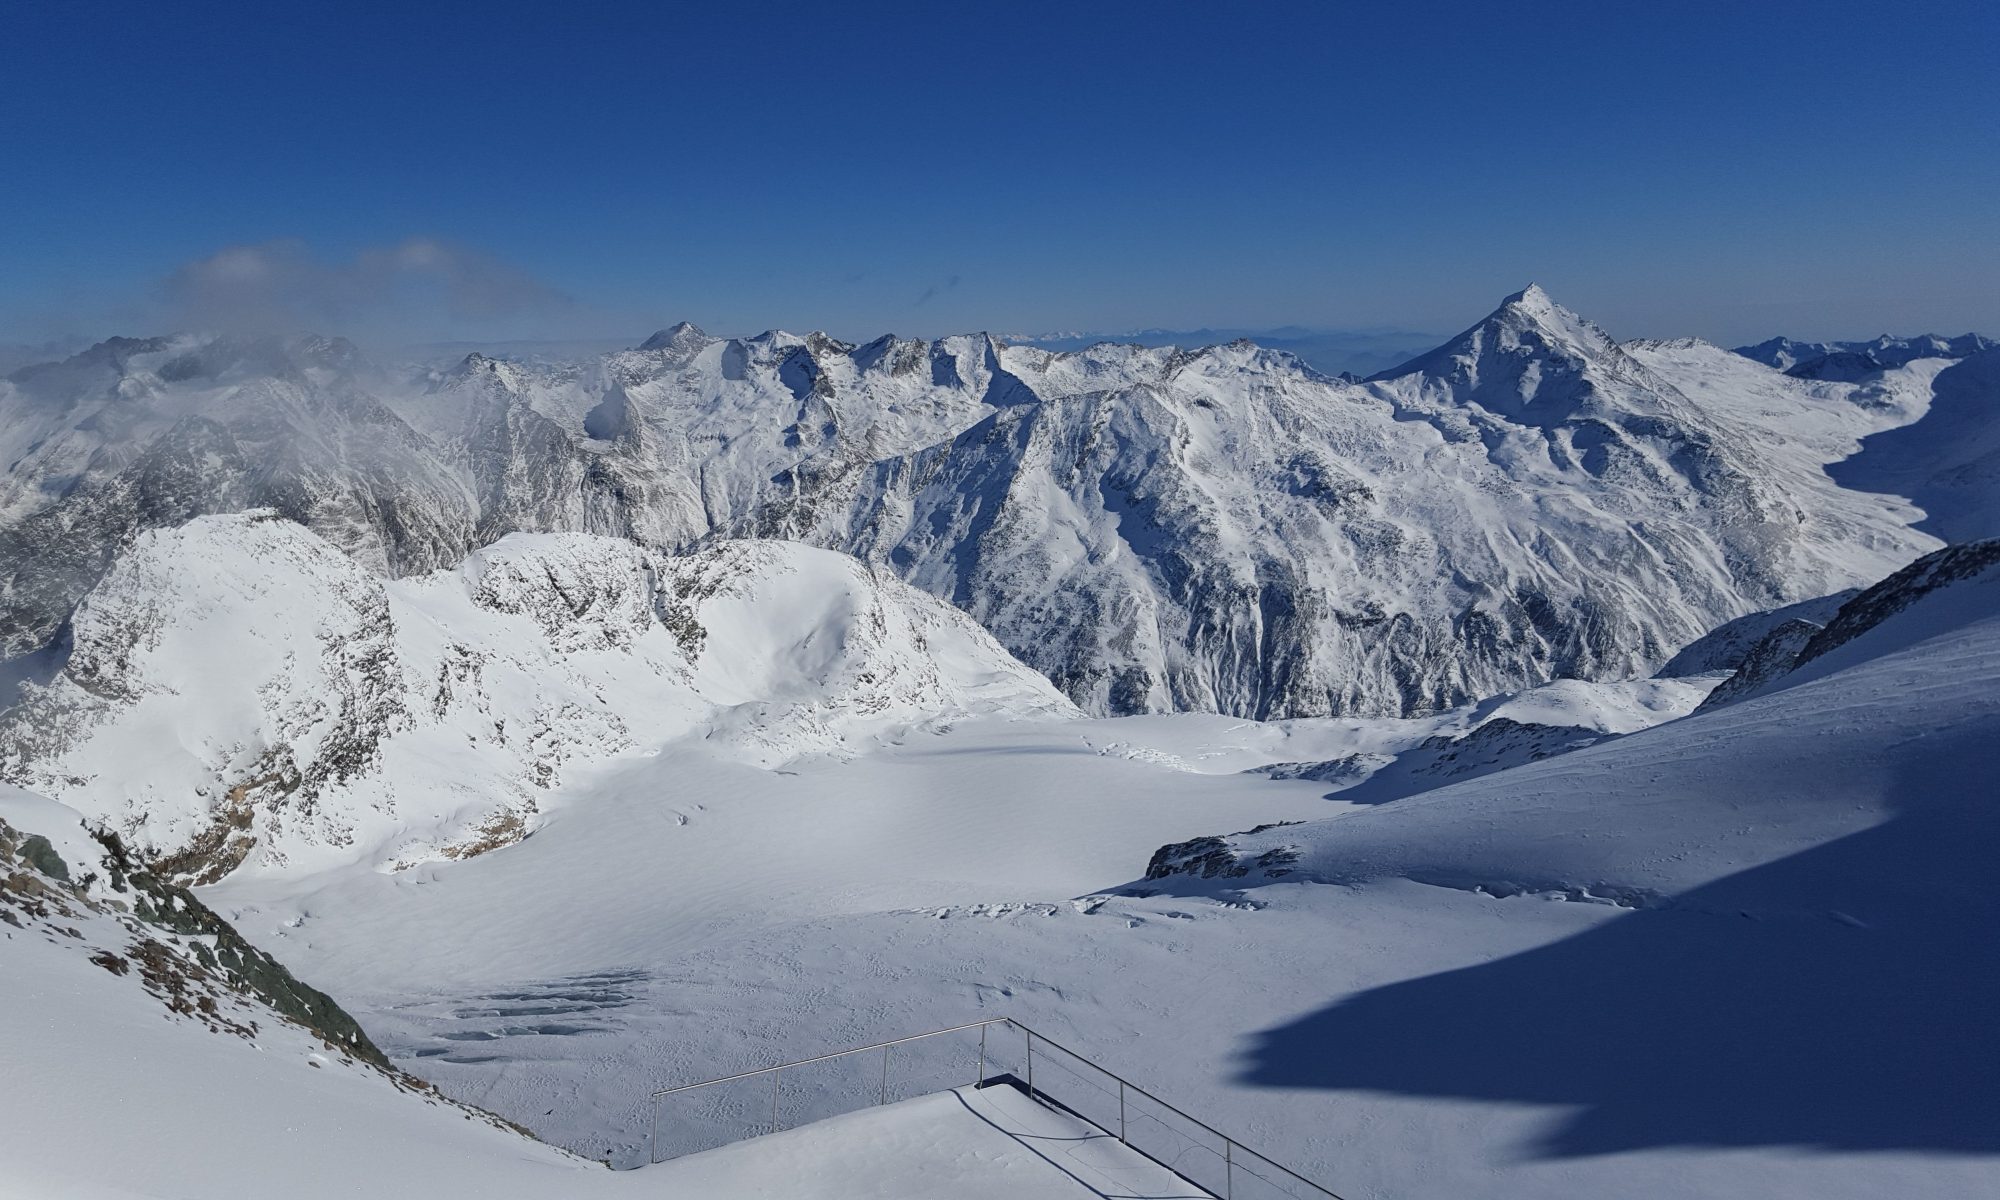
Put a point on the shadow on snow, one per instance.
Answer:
(1847, 997)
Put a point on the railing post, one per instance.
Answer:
(1031, 1064)
(882, 1097)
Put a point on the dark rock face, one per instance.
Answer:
(1898, 592)
(1773, 654)
(1725, 647)
(39, 854)
(1215, 858)
(168, 906)
(186, 955)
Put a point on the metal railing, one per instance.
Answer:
(735, 1107)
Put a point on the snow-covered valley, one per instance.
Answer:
(1555, 779)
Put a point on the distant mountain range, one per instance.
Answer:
(587, 719)
(1219, 529)
(1851, 361)
(1335, 352)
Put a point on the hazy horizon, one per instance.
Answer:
(1692, 173)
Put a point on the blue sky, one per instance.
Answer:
(437, 170)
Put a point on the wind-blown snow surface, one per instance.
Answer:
(132, 1074)
(1747, 953)
(238, 691)
(1153, 529)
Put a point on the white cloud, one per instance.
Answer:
(419, 287)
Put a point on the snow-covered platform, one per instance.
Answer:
(992, 1143)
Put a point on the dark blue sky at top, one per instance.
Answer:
(437, 170)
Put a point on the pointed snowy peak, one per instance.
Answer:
(1527, 323)
(825, 345)
(1531, 297)
(684, 337)
(477, 369)
(1533, 362)
(1532, 313)
(897, 356)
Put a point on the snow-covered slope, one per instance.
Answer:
(150, 1052)
(1617, 971)
(238, 690)
(1154, 529)
(1501, 732)
(252, 1084)
(1805, 928)
(1826, 360)
(1947, 587)
(1949, 462)
(1892, 717)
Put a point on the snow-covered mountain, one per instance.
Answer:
(1227, 531)
(1645, 817)
(1948, 462)
(1153, 529)
(1618, 967)
(239, 691)
(318, 635)
(1851, 361)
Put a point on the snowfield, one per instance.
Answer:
(1665, 913)
(1593, 792)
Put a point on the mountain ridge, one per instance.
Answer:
(1156, 529)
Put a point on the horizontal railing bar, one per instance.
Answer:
(806, 1062)
(1163, 1104)
(1092, 1064)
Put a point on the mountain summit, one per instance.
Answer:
(683, 336)
(1531, 358)
(1217, 529)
